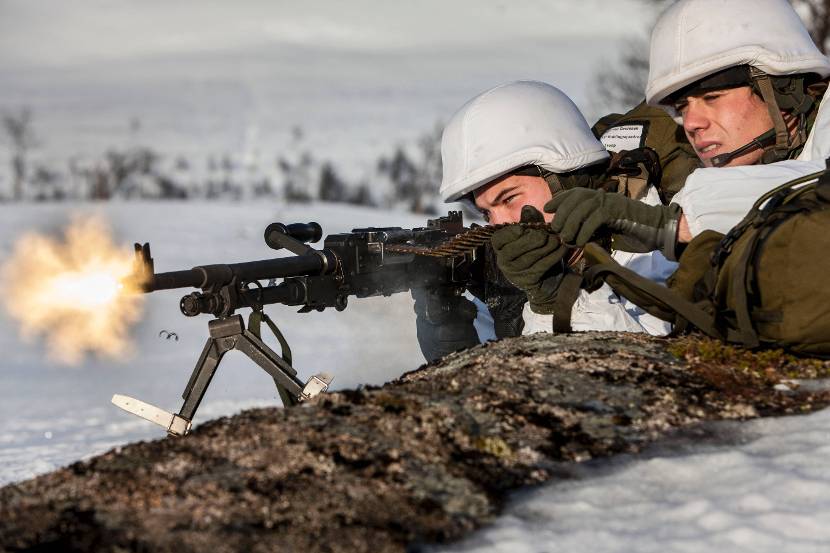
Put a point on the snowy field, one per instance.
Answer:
(359, 78)
(206, 78)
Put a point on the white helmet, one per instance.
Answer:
(510, 126)
(696, 38)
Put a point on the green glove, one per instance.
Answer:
(582, 211)
(531, 259)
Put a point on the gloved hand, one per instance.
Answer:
(444, 322)
(531, 259)
(582, 211)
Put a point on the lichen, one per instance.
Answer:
(767, 365)
(494, 446)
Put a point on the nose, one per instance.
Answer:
(694, 117)
(497, 218)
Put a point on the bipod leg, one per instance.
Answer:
(226, 334)
(283, 374)
(179, 424)
(291, 390)
(201, 376)
(287, 399)
(254, 328)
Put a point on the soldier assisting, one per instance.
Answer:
(746, 81)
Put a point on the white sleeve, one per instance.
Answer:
(817, 146)
(603, 309)
(655, 267)
(535, 322)
(483, 323)
(718, 198)
(599, 310)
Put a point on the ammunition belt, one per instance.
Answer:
(465, 242)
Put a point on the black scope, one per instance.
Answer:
(304, 232)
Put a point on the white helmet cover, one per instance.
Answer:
(510, 126)
(696, 38)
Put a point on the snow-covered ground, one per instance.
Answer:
(764, 488)
(201, 78)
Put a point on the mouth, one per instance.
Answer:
(707, 150)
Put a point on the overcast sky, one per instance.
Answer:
(69, 32)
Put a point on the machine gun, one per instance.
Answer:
(362, 263)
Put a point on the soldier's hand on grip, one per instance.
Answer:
(581, 212)
(532, 259)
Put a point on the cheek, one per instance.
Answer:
(747, 120)
(538, 198)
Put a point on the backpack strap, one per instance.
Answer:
(566, 296)
(745, 331)
(654, 298)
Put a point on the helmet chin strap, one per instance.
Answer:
(759, 142)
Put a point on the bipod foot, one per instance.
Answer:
(175, 425)
(317, 384)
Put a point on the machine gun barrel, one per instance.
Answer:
(208, 276)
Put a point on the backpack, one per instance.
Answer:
(760, 285)
(646, 126)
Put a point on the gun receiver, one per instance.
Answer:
(362, 263)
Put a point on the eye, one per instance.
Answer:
(710, 96)
(681, 105)
(508, 199)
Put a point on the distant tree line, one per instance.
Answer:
(407, 177)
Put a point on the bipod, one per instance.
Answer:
(226, 334)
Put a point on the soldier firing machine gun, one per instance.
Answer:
(365, 262)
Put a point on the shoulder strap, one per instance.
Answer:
(654, 298)
(563, 303)
(254, 326)
(745, 331)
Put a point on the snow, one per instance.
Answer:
(206, 79)
(764, 488)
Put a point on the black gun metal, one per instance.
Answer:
(360, 263)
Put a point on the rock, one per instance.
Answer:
(424, 459)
